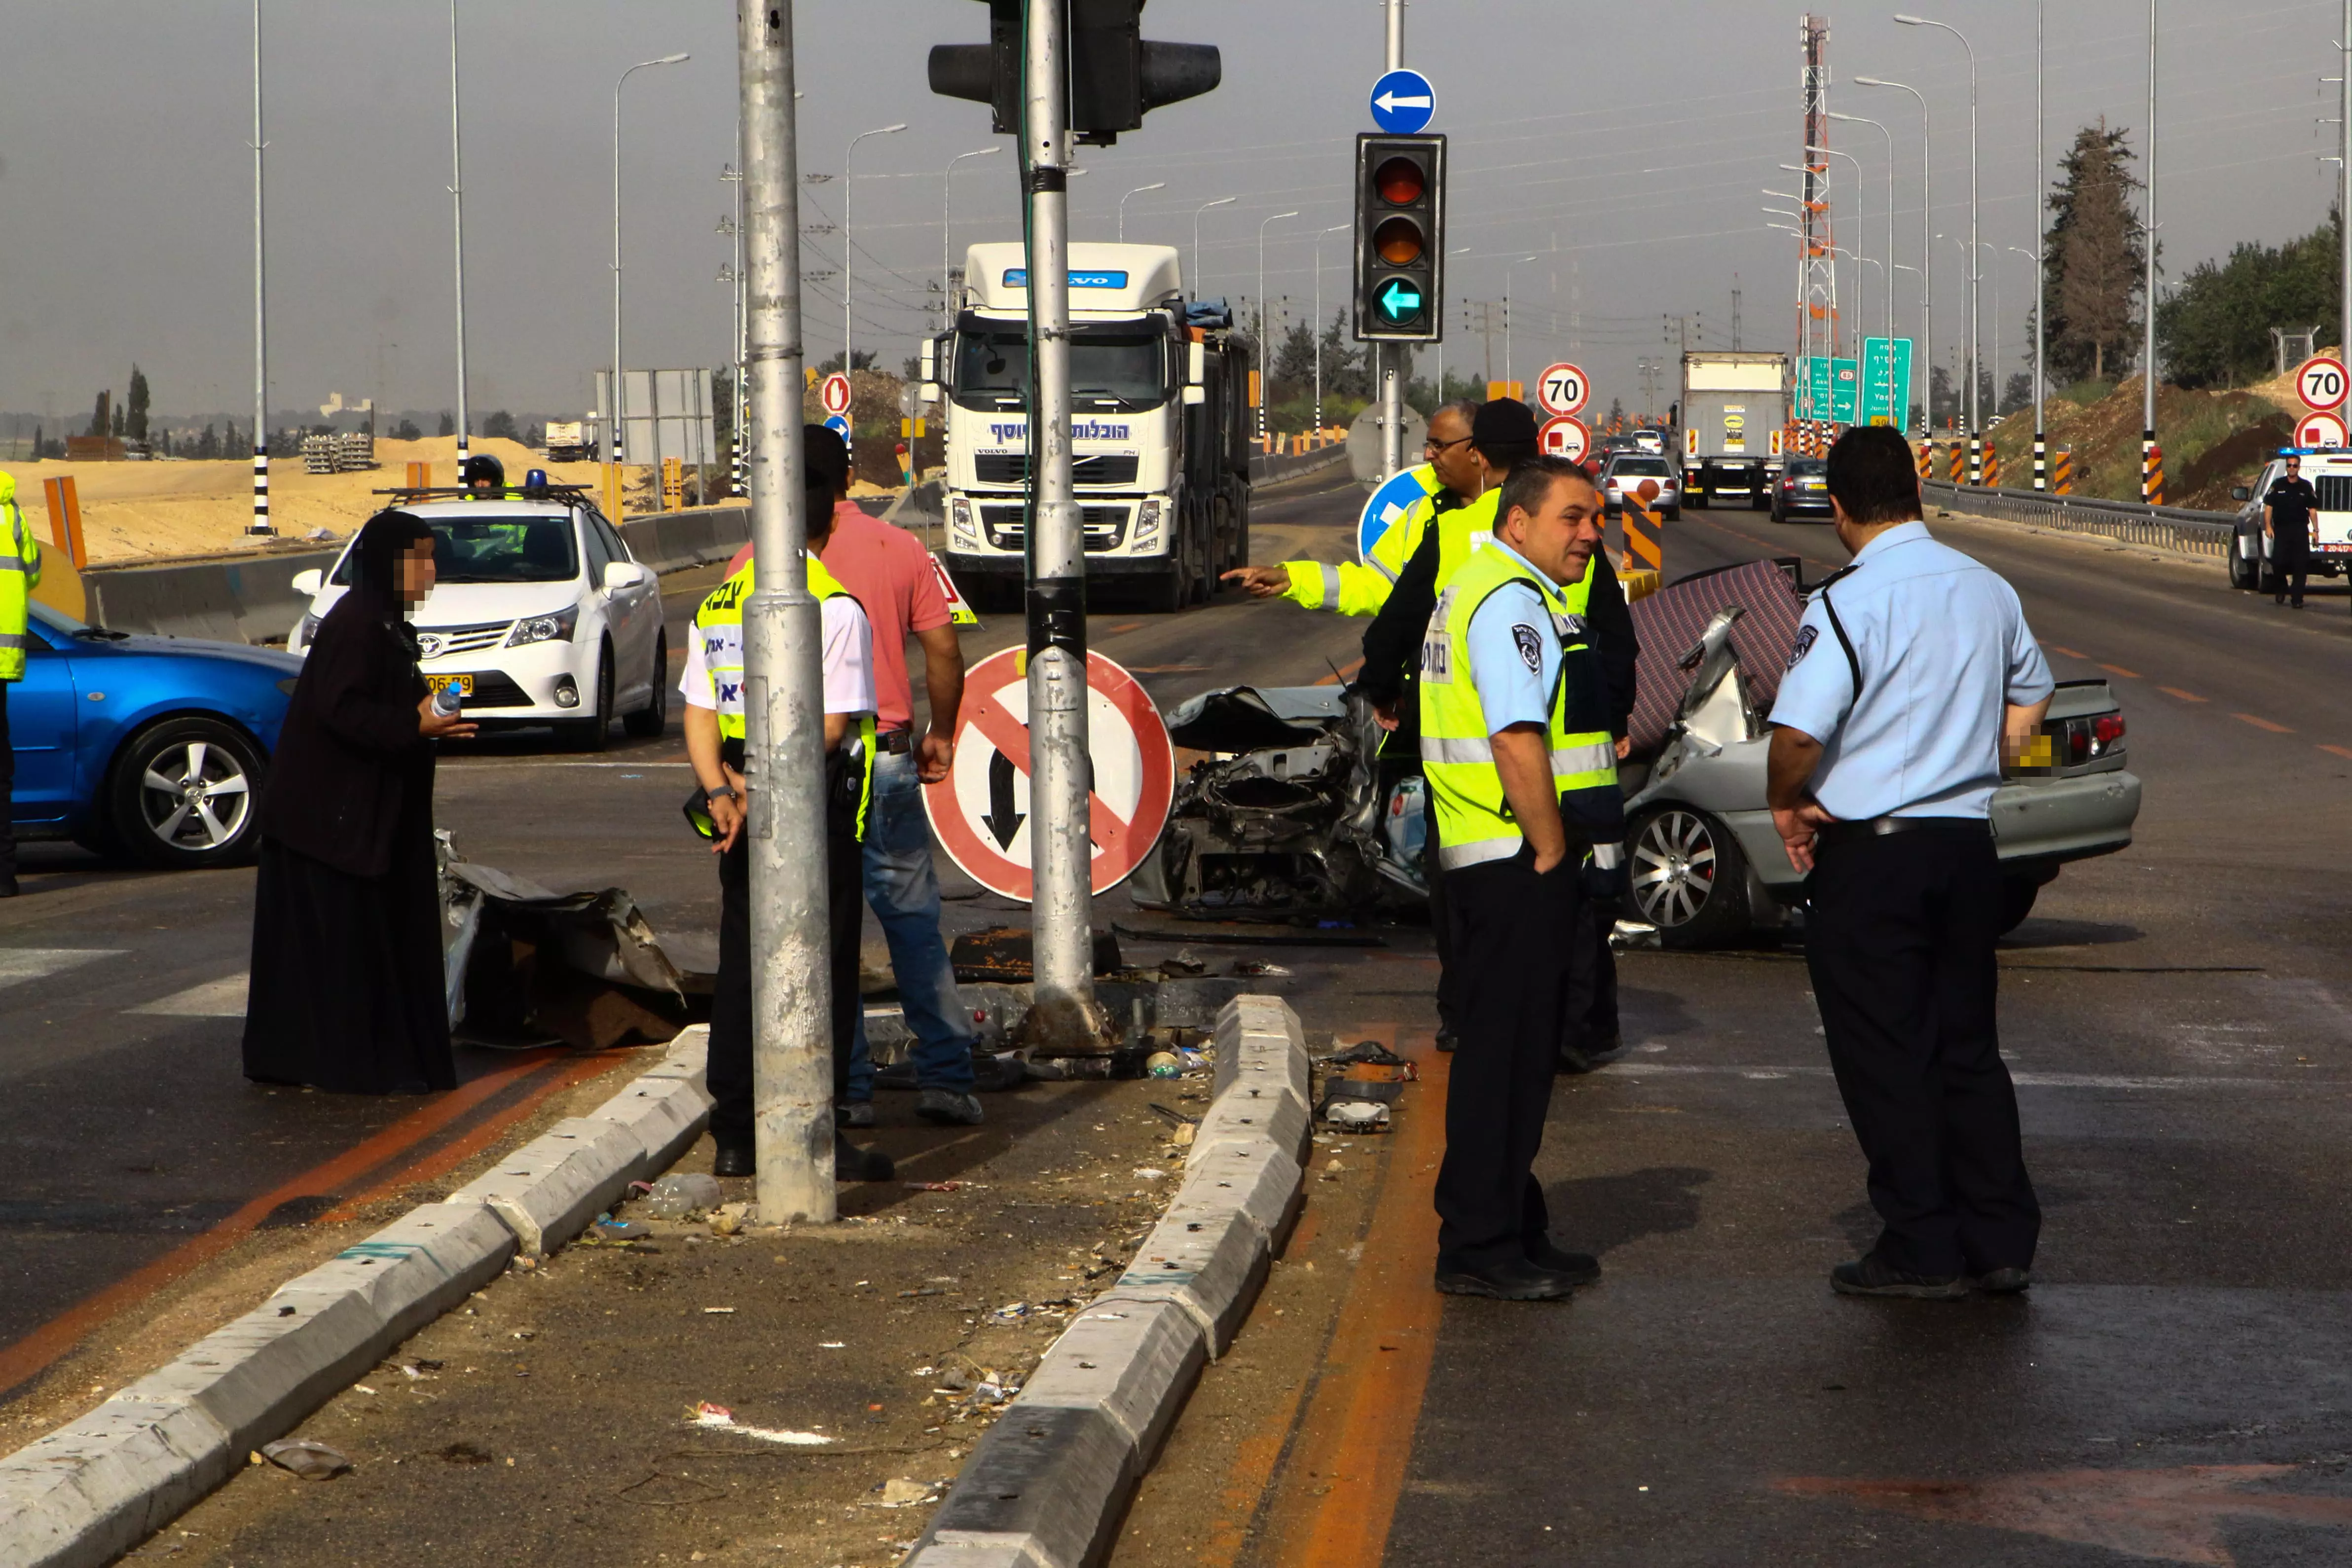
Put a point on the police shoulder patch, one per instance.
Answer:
(1806, 637)
(1531, 644)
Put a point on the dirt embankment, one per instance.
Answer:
(2212, 441)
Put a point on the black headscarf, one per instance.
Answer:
(375, 567)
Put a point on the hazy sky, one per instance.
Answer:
(1625, 143)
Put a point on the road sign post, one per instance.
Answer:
(1885, 381)
(1403, 102)
(2320, 429)
(2320, 382)
(1564, 435)
(1563, 389)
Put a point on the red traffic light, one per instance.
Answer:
(1399, 241)
(1400, 182)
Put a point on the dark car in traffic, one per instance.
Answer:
(1803, 490)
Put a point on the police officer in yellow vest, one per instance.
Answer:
(1515, 745)
(713, 690)
(20, 573)
(1450, 477)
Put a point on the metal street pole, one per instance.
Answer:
(1265, 374)
(1858, 119)
(1975, 281)
(260, 523)
(1926, 360)
(742, 394)
(2040, 302)
(1062, 1012)
(2040, 450)
(617, 403)
(2344, 191)
(849, 237)
(2151, 491)
(458, 224)
(947, 185)
(1204, 207)
(1341, 228)
(1385, 366)
(1155, 185)
(783, 695)
(1508, 268)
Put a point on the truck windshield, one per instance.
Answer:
(1124, 365)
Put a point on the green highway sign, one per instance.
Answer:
(1400, 301)
(1886, 381)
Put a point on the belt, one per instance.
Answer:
(1885, 827)
(897, 742)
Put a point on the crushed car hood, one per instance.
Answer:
(1245, 719)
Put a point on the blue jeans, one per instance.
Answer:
(904, 892)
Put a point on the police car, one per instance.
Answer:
(2329, 470)
(539, 615)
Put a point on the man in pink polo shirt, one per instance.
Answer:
(890, 573)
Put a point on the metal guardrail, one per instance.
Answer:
(2164, 528)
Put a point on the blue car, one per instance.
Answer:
(150, 747)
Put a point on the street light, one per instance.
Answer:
(1441, 341)
(946, 300)
(1264, 378)
(2035, 258)
(458, 226)
(1508, 268)
(849, 237)
(2149, 490)
(617, 401)
(1926, 262)
(260, 522)
(1975, 292)
(1858, 119)
(1335, 228)
(1155, 185)
(1204, 207)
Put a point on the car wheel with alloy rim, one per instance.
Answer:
(1690, 880)
(596, 733)
(186, 794)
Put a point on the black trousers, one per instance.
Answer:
(1591, 1025)
(1900, 943)
(730, 1002)
(1511, 930)
(1440, 932)
(7, 790)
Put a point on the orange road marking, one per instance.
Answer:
(2068, 653)
(1122, 628)
(2338, 750)
(34, 1354)
(2119, 670)
(1256, 1457)
(2177, 692)
(1346, 672)
(1356, 1437)
(2262, 724)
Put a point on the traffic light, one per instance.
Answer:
(1400, 239)
(1117, 74)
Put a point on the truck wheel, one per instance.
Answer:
(1690, 881)
(1166, 594)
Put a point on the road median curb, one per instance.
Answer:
(85, 1493)
(1047, 1485)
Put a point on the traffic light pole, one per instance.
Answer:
(1063, 1017)
(783, 699)
(1392, 384)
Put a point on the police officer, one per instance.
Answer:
(1914, 677)
(20, 573)
(1515, 741)
(713, 689)
(1450, 475)
(486, 477)
(2288, 506)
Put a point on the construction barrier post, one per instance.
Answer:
(1959, 465)
(2041, 462)
(612, 489)
(1992, 465)
(65, 518)
(1927, 460)
(2062, 479)
(673, 482)
(1976, 458)
(2151, 481)
(1644, 532)
(420, 476)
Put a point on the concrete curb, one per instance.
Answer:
(84, 1494)
(1047, 1485)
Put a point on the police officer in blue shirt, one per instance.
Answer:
(1913, 677)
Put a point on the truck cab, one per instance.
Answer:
(1159, 460)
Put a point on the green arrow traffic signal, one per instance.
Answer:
(1399, 301)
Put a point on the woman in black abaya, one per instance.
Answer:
(346, 988)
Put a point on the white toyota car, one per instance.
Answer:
(538, 616)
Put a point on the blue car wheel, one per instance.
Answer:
(185, 794)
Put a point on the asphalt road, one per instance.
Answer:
(130, 1145)
(2176, 1016)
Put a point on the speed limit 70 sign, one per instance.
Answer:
(1562, 389)
(2320, 382)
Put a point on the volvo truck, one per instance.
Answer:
(1159, 431)
(1735, 416)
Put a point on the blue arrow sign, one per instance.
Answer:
(1386, 508)
(1399, 301)
(1403, 102)
(838, 425)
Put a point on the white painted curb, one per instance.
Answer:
(84, 1494)
(1047, 1485)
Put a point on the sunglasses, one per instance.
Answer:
(1434, 447)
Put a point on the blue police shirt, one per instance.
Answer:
(1514, 653)
(1942, 645)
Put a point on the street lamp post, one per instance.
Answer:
(2040, 474)
(2151, 483)
(1976, 289)
(849, 237)
(1858, 119)
(1204, 207)
(1336, 228)
(260, 523)
(458, 214)
(947, 179)
(1508, 268)
(1265, 376)
(1927, 260)
(616, 401)
(1155, 185)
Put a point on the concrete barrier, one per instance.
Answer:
(246, 599)
(1267, 470)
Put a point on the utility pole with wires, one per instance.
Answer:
(1735, 301)
(1490, 317)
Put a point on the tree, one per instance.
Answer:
(534, 435)
(119, 422)
(1616, 420)
(2215, 330)
(722, 406)
(2018, 393)
(135, 406)
(2094, 255)
(1347, 369)
(864, 363)
(1294, 363)
(500, 426)
(1943, 396)
(208, 443)
(98, 421)
(449, 424)
(407, 431)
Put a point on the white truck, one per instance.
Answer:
(568, 441)
(1734, 414)
(1159, 443)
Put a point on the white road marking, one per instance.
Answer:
(19, 964)
(221, 998)
(2023, 1080)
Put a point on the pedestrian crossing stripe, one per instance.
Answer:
(21, 964)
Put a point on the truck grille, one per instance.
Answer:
(1007, 526)
(1085, 468)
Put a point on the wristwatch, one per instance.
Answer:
(727, 790)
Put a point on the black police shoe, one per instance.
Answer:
(2005, 1281)
(853, 1114)
(851, 1162)
(1517, 1280)
(734, 1160)
(1447, 1040)
(1870, 1276)
(1575, 1268)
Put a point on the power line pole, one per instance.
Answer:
(1735, 301)
(458, 226)
(260, 523)
(792, 1001)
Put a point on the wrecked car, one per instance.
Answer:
(1290, 815)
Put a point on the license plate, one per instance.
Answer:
(462, 684)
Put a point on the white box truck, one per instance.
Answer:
(1734, 414)
(1158, 428)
